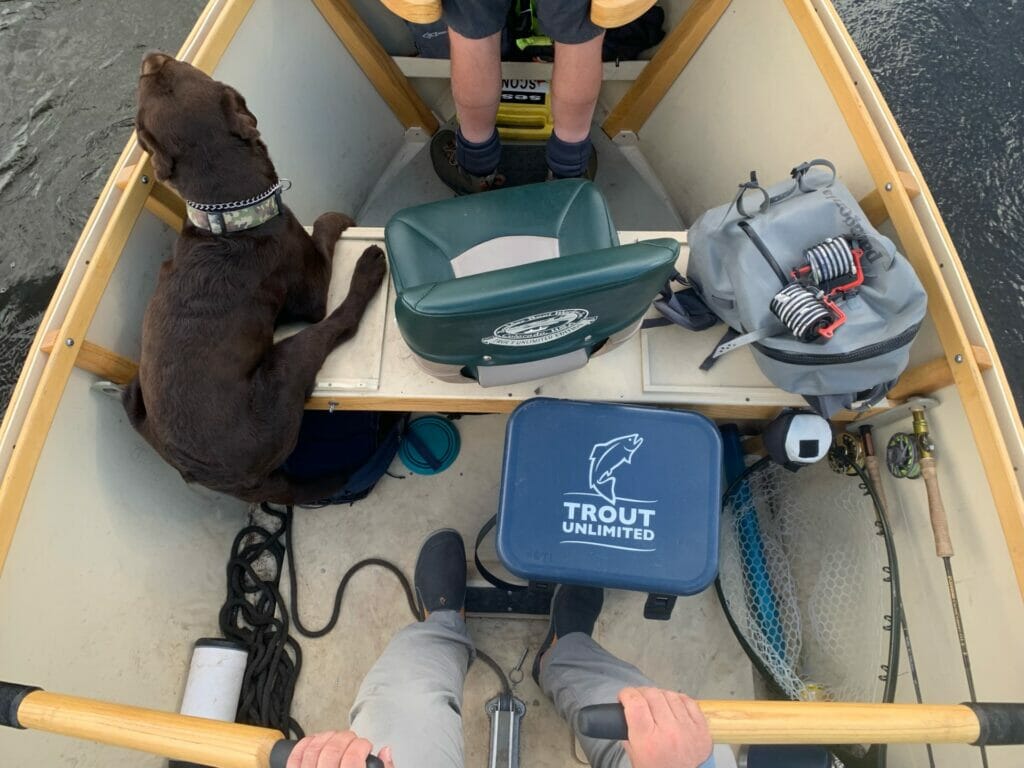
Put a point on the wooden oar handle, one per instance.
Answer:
(799, 722)
(936, 509)
(178, 737)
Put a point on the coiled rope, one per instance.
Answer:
(255, 613)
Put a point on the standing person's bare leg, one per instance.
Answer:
(476, 84)
(468, 160)
(466, 157)
(575, 86)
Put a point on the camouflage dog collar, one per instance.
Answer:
(222, 218)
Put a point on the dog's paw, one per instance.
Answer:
(369, 271)
(329, 226)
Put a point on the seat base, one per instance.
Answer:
(500, 375)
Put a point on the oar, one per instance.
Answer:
(813, 722)
(178, 737)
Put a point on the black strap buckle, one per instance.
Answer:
(801, 170)
(659, 607)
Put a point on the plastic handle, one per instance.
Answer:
(602, 721)
(998, 723)
(936, 509)
(283, 749)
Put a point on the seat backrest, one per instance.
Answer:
(468, 235)
(519, 276)
(538, 310)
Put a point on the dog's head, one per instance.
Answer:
(202, 138)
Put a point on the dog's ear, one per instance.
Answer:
(241, 122)
(163, 163)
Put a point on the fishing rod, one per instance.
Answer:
(178, 737)
(911, 456)
(874, 473)
(943, 543)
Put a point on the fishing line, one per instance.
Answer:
(802, 310)
(806, 304)
(831, 260)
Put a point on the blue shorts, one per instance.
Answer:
(564, 21)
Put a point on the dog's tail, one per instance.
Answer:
(280, 488)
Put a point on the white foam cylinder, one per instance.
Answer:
(214, 679)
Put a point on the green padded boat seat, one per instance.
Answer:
(519, 283)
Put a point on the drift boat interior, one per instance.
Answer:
(113, 566)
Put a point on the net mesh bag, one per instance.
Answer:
(804, 577)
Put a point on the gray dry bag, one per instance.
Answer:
(797, 272)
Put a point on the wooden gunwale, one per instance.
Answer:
(162, 201)
(988, 436)
(219, 22)
(28, 371)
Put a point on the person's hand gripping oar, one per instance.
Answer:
(178, 737)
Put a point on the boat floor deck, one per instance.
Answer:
(695, 651)
(631, 188)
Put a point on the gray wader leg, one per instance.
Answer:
(411, 699)
(578, 672)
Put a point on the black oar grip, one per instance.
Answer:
(281, 750)
(11, 696)
(998, 723)
(602, 721)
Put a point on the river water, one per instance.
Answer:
(952, 72)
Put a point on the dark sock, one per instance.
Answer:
(477, 159)
(566, 159)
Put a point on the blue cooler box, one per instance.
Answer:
(611, 496)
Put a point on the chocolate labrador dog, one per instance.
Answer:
(215, 396)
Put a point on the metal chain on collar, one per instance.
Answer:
(283, 185)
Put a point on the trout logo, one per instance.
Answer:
(605, 458)
(604, 517)
(540, 328)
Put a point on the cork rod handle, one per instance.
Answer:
(936, 509)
